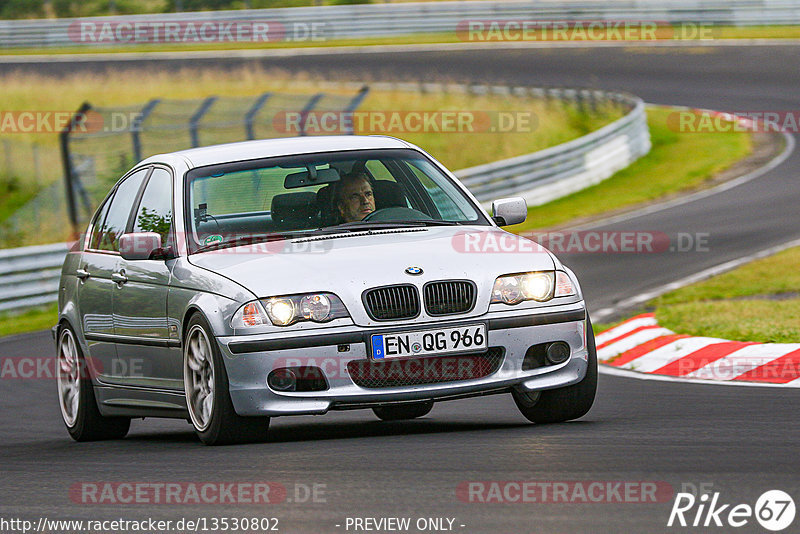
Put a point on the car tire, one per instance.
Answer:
(76, 398)
(567, 403)
(403, 411)
(208, 398)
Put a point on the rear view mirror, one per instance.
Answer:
(508, 211)
(312, 176)
(141, 246)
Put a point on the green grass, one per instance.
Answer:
(14, 193)
(756, 302)
(677, 162)
(28, 321)
(769, 276)
(758, 320)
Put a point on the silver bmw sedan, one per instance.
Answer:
(230, 284)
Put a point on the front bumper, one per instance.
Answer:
(249, 359)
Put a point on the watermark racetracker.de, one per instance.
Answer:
(392, 122)
(709, 121)
(582, 242)
(563, 491)
(167, 492)
(56, 121)
(48, 367)
(485, 30)
(125, 32)
(50, 121)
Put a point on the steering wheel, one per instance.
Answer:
(397, 213)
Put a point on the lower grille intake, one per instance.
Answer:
(377, 374)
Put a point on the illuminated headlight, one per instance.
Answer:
(537, 286)
(287, 310)
(515, 288)
(280, 311)
(316, 307)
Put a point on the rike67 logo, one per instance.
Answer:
(774, 510)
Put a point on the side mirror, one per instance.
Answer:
(141, 246)
(508, 211)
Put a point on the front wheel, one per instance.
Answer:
(76, 395)
(207, 396)
(403, 411)
(563, 404)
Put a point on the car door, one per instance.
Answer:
(96, 273)
(140, 302)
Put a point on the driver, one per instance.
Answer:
(354, 197)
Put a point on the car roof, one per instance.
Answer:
(246, 150)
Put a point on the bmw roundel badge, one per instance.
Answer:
(414, 271)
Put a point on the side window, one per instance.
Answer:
(451, 205)
(155, 210)
(379, 171)
(120, 210)
(97, 224)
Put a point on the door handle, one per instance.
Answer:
(119, 277)
(83, 274)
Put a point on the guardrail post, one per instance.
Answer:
(250, 116)
(353, 105)
(83, 168)
(66, 159)
(37, 181)
(195, 120)
(307, 109)
(136, 128)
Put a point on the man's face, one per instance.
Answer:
(356, 200)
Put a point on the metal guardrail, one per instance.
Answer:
(563, 169)
(373, 20)
(29, 276)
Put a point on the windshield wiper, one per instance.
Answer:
(433, 222)
(361, 226)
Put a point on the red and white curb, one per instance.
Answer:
(640, 344)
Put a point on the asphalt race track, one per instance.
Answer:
(738, 441)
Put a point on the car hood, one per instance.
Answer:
(347, 264)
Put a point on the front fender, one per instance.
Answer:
(216, 309)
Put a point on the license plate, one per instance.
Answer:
(471, 338)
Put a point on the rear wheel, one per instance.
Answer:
(207, 395)
(563, 404)
(76, 395)
(403, 411)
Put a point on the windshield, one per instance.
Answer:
(277, 198)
